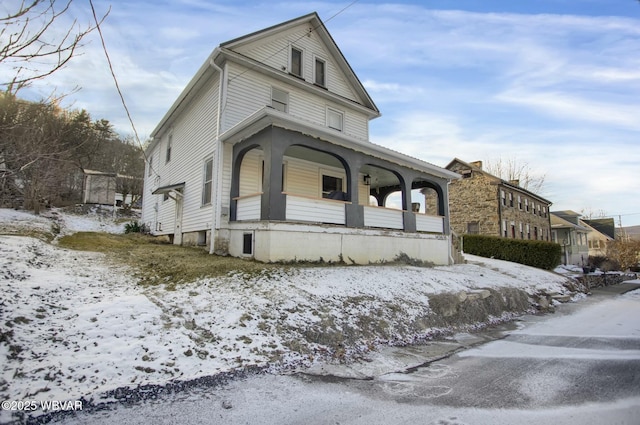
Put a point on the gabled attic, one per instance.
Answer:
(270, 47)
(267, 52)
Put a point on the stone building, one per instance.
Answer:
(481, 203)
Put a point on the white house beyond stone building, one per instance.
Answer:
(266, 154)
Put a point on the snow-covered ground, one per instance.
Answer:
(74, 325)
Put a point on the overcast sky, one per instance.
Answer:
(551, 83)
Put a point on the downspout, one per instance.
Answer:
(217, 209)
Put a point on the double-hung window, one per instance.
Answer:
(279, 99)
(169, 146)
(319, 72)
(295, 66)
(335, 119)
(207, 184)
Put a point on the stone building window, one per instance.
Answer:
(510, 199)
(503, 197)
(473, 228)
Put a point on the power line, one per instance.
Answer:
(115, 80)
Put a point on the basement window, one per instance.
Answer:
(247, 244)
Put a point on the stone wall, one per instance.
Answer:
(593, 280)
(474, 199)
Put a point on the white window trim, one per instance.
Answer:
(319, 59)
(301, 50)
(335, 111)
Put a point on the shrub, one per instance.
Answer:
(135, 227)
(540, 254)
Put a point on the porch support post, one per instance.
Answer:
(273, 202)
(408, 216)
(354, 211)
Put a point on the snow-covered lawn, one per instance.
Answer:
(74, 325)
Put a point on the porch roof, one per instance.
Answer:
(168, 189)
(268, 116)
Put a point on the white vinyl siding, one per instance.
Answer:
(227, 157)
(251, 91)
(275, 52)
(315, 210)
(194, 135)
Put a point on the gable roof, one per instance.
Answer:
(594, 230)
(316, 26)
(225, 51)
(477, 169)
(558, 222)
(605, 226)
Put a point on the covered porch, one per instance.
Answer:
(284, 182)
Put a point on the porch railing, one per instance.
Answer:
(248, 207)
(301, 208)
(429, 223)
(383, 217)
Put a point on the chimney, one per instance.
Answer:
(515, 182)
(477, 164)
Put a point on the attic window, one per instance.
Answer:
(466, 174)
(279, 99)
(296, 62)
(169, 146)
(335, 119)
(319, 72)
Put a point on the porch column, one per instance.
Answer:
(273, 203)
(408, 216)
(354, 211)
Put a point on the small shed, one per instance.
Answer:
(98, 187)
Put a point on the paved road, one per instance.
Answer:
(580, 365)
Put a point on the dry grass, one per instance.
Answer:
(157, 262)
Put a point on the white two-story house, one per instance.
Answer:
(266, 154)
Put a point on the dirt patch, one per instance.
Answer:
(156, 262)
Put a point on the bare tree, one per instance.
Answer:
(512, 169)
(589, 214)
(625, 251)
(33, 42)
